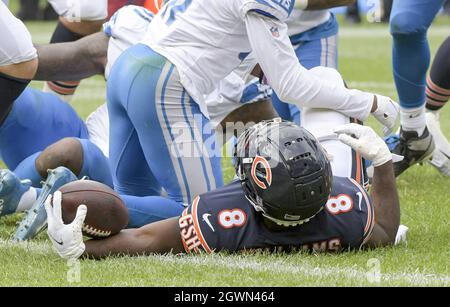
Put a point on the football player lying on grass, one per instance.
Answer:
(286, 199)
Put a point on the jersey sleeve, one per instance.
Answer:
(129, 23)
(290, 80)
(219, 221)
(366, 208)
(278, 9)
(82, 9)
(192, 234)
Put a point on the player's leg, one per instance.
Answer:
(409, 23)
(37, 120)
(314, 53)
(438, 94)
(149, 209)
(130, 171)
(173, 134)
(185, 141)
(81, 156)
(18, 59)
(77, 19)
(311, 53)
(345, 162)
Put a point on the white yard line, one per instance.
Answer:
(382, 31)
(371, 84)
(280, 267)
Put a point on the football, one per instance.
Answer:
(106, 213)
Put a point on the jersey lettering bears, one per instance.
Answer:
(224, 220)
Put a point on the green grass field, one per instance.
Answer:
(365, 57)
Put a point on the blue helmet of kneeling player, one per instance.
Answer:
(285, 172)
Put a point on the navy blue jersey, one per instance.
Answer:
(225, 220)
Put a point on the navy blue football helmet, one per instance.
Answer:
(284, 171)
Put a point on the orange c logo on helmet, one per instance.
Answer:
(268, 170)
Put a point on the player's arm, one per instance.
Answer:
(73, 61)
(387, 206)
(383, 190)
(295, 84)
(157, 238)
(321, 4)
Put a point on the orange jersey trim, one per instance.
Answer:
(197, 225)
(370, 224)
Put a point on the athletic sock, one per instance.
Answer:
(10, 89)
(27, 199)
(437, 96)
(438, 81)
(27, 170)
(413, 119)
(64, 89)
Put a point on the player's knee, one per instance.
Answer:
(67, 152)
(407, 23)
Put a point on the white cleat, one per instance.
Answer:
(441, 155)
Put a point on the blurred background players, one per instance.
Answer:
(76, 19)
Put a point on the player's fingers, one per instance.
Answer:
(350, 129)
(348, 140)
(81, 215)
(49, 209)
(57, 202)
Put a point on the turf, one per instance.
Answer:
(365, 57)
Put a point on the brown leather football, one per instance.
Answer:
(106, 213)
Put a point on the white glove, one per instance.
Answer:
(365, 141)
(66, 239)
(387, 113)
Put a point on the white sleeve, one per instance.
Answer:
(291, 81)
(74, 11)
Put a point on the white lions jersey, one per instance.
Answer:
(97, 124)
(125, 28)
(197, 35)
(301, 21)
(15, 40)
(207, 39)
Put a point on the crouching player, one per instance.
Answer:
(41, 133)
(286, 199)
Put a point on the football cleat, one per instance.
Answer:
(11, 191)
(413, 148)
(441, 155)
(36, 219)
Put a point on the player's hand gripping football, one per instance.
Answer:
(387, 113)
(364, 140)
(66, 239)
